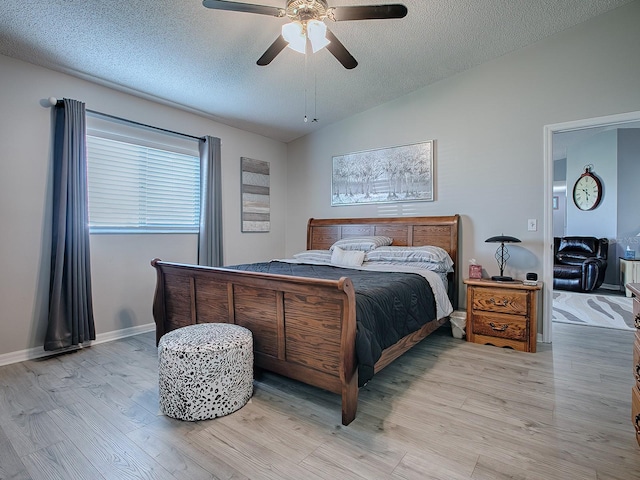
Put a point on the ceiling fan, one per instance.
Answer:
(307, 24)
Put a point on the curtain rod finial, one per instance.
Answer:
(53, 101)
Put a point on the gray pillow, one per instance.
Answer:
(323, 256)
(425, 254)
(363, 244)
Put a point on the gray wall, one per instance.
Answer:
(488, 123)
(489, 126)
(628, 190)
(615, 156)
(600, 151)
(123, 280)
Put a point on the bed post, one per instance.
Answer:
(349, 367)
(349, 401)
(158, 301)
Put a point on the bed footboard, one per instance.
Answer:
(302, 328)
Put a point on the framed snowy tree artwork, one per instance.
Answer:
(386, 175)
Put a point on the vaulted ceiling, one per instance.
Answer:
(203, 60)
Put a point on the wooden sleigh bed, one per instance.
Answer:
(303, 328)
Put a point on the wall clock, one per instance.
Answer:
(587, 192)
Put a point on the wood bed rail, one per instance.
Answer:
(303, 328)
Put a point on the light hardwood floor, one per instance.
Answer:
(445, 410)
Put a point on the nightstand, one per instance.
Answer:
(504, 314)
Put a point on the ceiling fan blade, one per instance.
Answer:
(340, 52)
(368, 12)
(244, 7)
(272, 52)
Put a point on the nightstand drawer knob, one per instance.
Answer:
(505, 302)
(636, 424)
(498, 329)
(636, 320)
(638, 372)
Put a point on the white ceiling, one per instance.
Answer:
(178, 52)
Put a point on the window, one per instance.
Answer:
(141, 181)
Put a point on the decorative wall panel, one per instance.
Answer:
(255, 195)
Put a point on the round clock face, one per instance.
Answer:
(587, 192)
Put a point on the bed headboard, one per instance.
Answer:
(405, 231)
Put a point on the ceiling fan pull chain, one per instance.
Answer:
(315, 93)
(311, 70)
(306, 81)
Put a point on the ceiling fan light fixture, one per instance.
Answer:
(317, 33)
(294, 35)
(306, 25)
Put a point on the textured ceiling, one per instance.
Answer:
(204, 60)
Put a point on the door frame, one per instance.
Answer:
(547, 258)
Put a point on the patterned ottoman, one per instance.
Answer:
(205, 370)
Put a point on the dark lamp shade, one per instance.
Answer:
(502, 239)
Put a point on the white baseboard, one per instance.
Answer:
(39, 352)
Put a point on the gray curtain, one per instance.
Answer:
(210, 236)
(70, 305)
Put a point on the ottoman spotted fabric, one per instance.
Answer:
(205, 370)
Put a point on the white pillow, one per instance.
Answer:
(347, 258)
(362, 243)
(314, 256)
(409, 254)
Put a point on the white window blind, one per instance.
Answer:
(137, 184)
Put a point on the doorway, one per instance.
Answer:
(557, 139)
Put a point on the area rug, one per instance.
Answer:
(607, 311)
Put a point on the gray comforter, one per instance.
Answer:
(389, 305)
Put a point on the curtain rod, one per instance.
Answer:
(58, 103)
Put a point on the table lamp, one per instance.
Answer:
(502, 254)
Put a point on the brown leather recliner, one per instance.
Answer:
(579, 263)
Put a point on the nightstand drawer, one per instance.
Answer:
(635, 412)
(500, 300)
(634, 289)
(636, 363)
(513, 327)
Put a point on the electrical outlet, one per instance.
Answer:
(532, 225)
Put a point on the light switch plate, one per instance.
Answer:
(532, 225)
